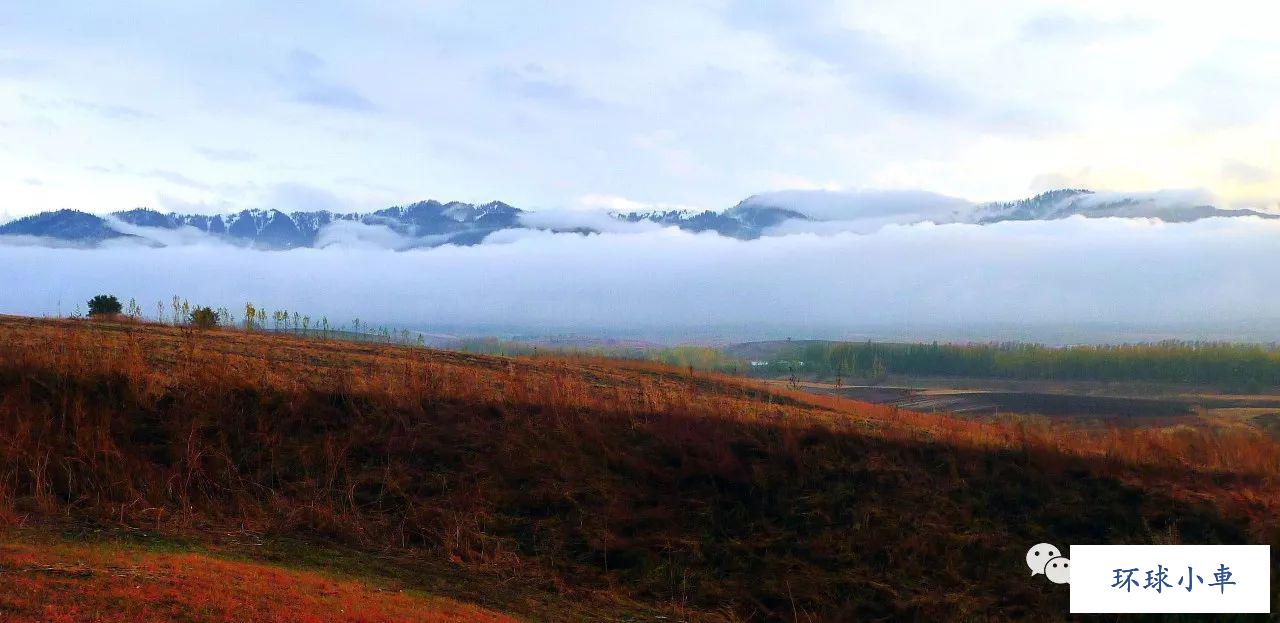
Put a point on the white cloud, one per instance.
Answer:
(623, 205)
(576, 219)
(156, 236)
(357, 235)
(38, 241)
(1168, 198)
(610, 203)
(873, 205)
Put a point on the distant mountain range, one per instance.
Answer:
(432, 223)
(1060, 204)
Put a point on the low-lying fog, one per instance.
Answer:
(1215, 278)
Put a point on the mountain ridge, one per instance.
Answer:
(430, 223)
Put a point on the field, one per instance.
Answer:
(991, 403)
(214, 471)
(1085, 403)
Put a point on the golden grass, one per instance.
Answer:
(68, 583)
(714, 496)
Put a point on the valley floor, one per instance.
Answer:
(1084, 402)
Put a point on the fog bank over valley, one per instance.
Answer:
(1073, 279)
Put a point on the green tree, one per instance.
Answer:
(878, 371)
(204, 318)
(104, 305)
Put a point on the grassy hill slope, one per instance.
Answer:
(628, 486)
(63, 583)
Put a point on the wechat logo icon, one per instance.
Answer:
(1047, 560)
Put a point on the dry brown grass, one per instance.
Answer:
(713, 496)
(65, 584)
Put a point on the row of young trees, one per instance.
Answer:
(183, 311)
(284, 321)
(178, 311)
(1231, 366)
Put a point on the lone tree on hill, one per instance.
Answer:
(204, 318)
(104, 305)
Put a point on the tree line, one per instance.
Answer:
(178, 311)
(684, 356)
(1225, 365)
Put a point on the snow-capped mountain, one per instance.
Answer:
(856, 205)
(745, 221)
(432, 223)
(1170, 207)
(906, 207)
(64, 225)
(441, 223)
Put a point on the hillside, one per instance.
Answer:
(60, 582)
(571, 488)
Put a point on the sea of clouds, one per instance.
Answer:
(1077, 270)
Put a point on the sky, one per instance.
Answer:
(220, 106)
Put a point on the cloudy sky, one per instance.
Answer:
(213, 106)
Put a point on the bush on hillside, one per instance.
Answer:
(104, 305)
(204, 318)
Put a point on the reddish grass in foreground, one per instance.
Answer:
(707, 496)
(67, 583)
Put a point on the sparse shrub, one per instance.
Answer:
(133, 310)
(104, 305)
